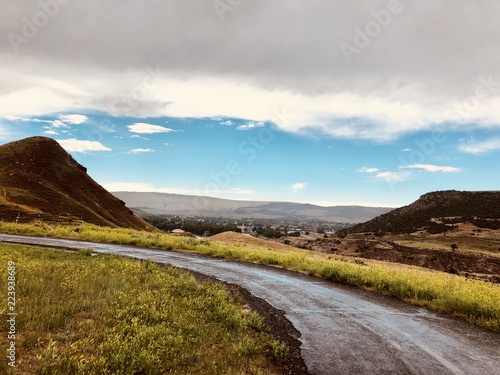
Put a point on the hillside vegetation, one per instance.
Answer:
(82, 314)
(37, 176)
(437, 212)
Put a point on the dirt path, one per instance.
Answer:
(343, 330)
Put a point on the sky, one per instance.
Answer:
(320, 101)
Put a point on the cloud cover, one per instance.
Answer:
(77, 145)
(143, 128)
(434, 62)
(480, 147)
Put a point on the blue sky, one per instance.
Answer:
(244, 159)
(324, 101)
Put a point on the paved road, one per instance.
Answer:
(343, 330)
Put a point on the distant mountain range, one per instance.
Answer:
(436, 212)
(189, 205)
(38, 177)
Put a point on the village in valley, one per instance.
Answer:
(267, 228)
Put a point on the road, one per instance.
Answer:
(343, 330)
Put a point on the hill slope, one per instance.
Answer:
(437, 211)
(38, 176)
(175, 204)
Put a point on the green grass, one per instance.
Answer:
(83, 314)
(472, 300)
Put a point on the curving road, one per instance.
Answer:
(343, 330)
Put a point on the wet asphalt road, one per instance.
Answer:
(343, 330)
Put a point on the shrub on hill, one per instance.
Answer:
(198, 227)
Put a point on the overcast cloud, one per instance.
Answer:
(429, 62)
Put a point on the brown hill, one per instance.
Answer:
(37, 176)
(247, 240)
(437, 212)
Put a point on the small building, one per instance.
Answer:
(310, 229)
(245, 229)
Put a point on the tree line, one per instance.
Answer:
(198, 227)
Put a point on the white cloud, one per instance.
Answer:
(139, 137)
(251, 125)
(73, 119)
(226, 123)
(405, 172)
(480, 147)
(76, 145)
(368, 170)
(140, 150)
(50, 132)
(298, 186)
(432, 168)
(339, 115)
(27, 119)
(393, 176)
(62, 121)
(59, 124)
(388, 176)
(143, 128)
(406, 150)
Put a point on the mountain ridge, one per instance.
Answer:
(436, 211)
(190, 205)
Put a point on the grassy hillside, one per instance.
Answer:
(82, 314)
(38, 176)
(481, 208)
